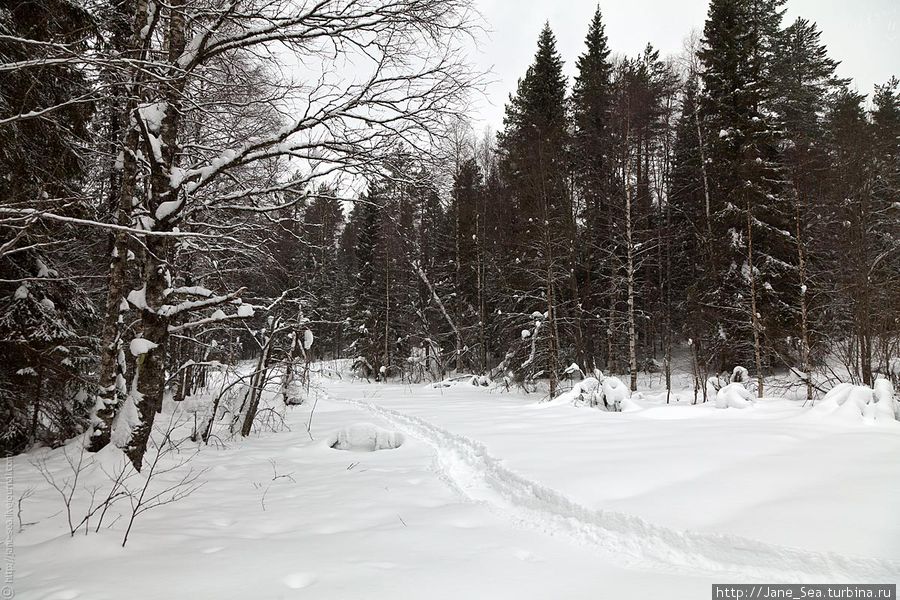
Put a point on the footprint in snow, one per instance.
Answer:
(297, 581)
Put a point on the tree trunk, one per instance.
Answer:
(804, 317)
(754, 315)
(150, 384)
(107, 402)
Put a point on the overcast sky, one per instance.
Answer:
(863, 34)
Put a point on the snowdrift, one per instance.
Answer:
(364, 437)
(734, 395)
(859, 403)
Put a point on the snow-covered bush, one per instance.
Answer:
(614, 394)
(583, 392)
(860, 402)
(734, 395)
(474, 380)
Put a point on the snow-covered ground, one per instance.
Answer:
(467, 492)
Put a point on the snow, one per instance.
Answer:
(585, 391)
(486, 497)
(615, 394)
(364, 437)
(859, 403)
(168, 208)
(138, 298)
(21, 292)
(44, 271)
(245, 311)
(734, 395)
(307, 339)
(139, 346)
(153, 115)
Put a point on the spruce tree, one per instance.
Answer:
(751, 212)
(804, 78)
(592, 170)
(533, 166)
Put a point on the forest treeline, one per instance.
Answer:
(169, 203)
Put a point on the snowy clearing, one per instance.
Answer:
(477, 493)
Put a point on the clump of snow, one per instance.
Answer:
(138, 298)
(573, 369)
(44, 271)
(526, 334)
(218, 315)
(365, 437)
(126, 420)
(615, 394)
(245, 311)
(307, 339)
(734, 395)
(885, 400)
(48, 304)
(141, 346)
(21, 292)
(739, 375)
(168, 208)
(153, 115)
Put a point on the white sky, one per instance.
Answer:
(863, 34)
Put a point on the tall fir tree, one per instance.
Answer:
(804, 78)
(751, 211)
(533, 165)
(592, 169)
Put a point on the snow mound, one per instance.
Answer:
(885, 399)
(734, 395)
(858, 403)
(739, 375)
(583, 392)
(365, 437)
(476, 380)
(609, 392)
(616, 396)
